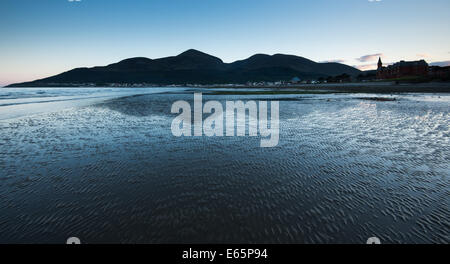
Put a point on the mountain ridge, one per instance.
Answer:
(195, 67)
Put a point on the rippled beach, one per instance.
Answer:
(103, 165)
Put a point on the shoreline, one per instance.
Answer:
(385, 87)
(379, 87)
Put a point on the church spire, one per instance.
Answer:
(380, 64)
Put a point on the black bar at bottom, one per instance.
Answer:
(225, 253)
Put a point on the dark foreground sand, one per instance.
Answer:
(345, 169)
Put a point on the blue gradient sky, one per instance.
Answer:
(39, 38)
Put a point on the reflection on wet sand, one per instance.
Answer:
(345, 169)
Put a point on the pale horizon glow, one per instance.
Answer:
(47, 37)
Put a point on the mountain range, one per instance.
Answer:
(195, 67)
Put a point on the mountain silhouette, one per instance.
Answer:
(195, 67)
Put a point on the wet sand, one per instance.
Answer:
(346, 169)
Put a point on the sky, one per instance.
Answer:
(40, 38)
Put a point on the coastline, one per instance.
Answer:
(384, 87)
(372, 87)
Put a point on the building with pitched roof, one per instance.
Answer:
(402, 69)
